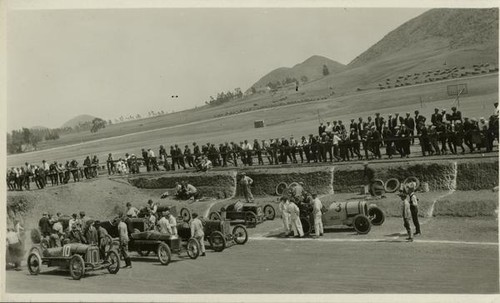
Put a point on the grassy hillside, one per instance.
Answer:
(77, 120)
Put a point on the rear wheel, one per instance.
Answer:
(76, 267)
(214, 216)
(164, 254)
(269, 212)
(34, 263)
(281, 188)
(362, 224)
(376, 215)
(193, 248)
(217, 241)
(250, 219)
(240, 234)
(114, 262)
(306, 225)
(185, 214)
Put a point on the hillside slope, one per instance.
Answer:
(311, 68)
(77, 120)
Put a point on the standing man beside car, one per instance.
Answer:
(294, 211)
(123, 232)
(317, 211)
(197, 232)
(285, 215)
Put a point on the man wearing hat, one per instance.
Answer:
(164, 224)
(406, 214)
(410, 125)
(436, 117)
(197, 232)
(245, 183)
(123, 237)
(413, 201)
(456, 115)
(172, 222)
(379, 122)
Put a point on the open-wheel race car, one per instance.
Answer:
(76, 257)
(145, 241)
(358, 215)
(251, 213)
(218, 233)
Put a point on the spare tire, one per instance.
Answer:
(412, 179)
(377, 187)
(392, 185)
(281, 188)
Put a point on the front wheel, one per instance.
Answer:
(362, 224)
(185, 214)
(240, 234)
(193, 248)
(164, 254)
(376, 215)
(114, 262)
(34, 263)
(217, 241)
(269, 212)
(76, 267)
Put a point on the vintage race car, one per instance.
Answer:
(218, 233)
(251, 213)
(75, 257)
(359, 215)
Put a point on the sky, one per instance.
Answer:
(113, 62)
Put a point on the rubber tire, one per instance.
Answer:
(34, 270)
(185, 214)
(391, 189)
(272, 212)
(362, 224)
(109, 244)
(214, 236)
(306, 226)
(193, 243)
(372, 187)
(215, 216)
(76, 259)
(164, 249)
(243, 232)
(379, 215)
(114, 256)
(412, 179)
(281, 188)
(250, 219)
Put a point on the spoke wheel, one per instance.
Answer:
(34, 263)
(164, 254)
(250, 219)
(240, 234)
(185, 214)
(280, 188)
(193, 248)
(362, 224)
(76, 267)
(269, 212)
(217, 241)
(376, 215)
(214, 216)
(114, 262)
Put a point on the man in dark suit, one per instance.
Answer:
(410, 124)
(436, 117)
(378, 122)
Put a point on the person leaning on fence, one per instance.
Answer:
(197, 232)
(406, 214)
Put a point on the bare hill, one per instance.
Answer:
(311, 68)
(438, 29)
(77, 120)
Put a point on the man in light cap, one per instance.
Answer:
(411, 188)
(197, 232)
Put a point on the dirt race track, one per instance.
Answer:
(340, 262)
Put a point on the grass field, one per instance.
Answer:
(297, 119)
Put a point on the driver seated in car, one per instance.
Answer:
(238, 206)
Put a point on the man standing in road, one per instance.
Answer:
(413, 200)
(285, 215)
(197, 232)
(294, 211)
(123, 232)
(245, 183)
(318, 222)
(406, 214)
(14, 248)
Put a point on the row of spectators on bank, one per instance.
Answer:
(441, 134)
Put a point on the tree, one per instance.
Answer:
(326, 72)
(97, 124)
(304, 79)
(110, 122)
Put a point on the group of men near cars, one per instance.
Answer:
(19, 178)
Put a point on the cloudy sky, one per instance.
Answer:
(113, 62)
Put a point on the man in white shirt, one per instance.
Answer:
(14, 248)
(285, 215)
(172, 222)
(72, 221)
(294, 211)
(132, 212)
(164, 225)
(245, 183)
(191, 191)
(197, 232)
(318, 222)
(123, 236)
(329, 128)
